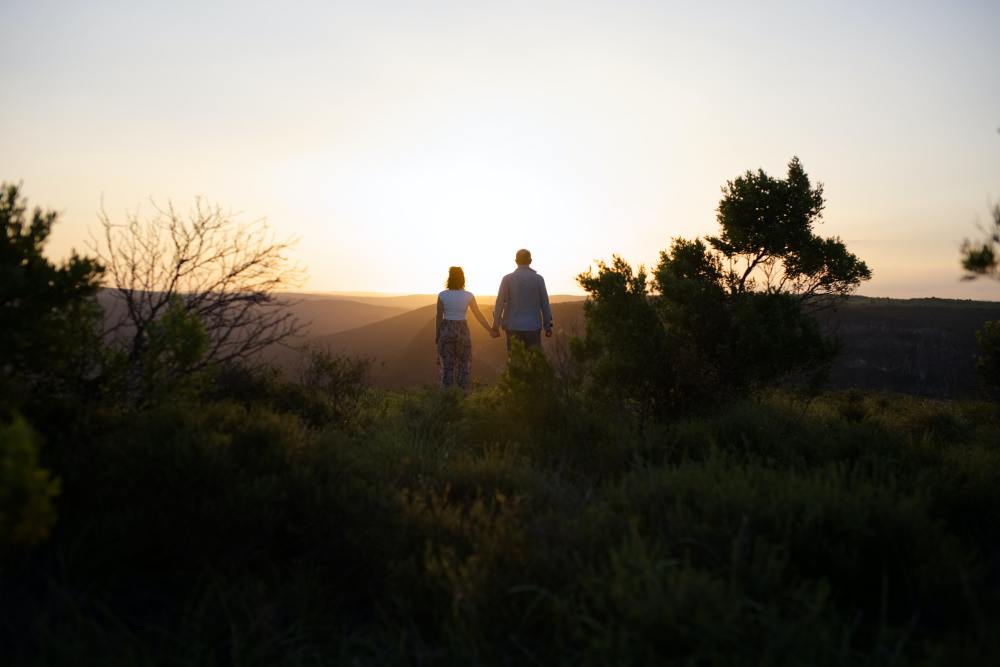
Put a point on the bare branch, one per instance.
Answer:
(224, 271)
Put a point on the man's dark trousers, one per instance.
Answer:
(529, 338)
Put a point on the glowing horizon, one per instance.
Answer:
(394, 140)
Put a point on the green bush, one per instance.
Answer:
(527, 389)
(327, 390)
(175, 344)
(27, 491)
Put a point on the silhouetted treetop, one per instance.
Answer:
(767, 241)
(982, 258)
(49, 318)
(728, 312)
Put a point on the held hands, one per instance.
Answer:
(494, 333)
(548, 333)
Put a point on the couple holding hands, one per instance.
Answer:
(522, 310)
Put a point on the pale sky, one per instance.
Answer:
(394, 139)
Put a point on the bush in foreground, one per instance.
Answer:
(853, 529)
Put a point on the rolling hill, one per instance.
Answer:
(319, 316)
(329, 316)
(917, 346)
(404, 352)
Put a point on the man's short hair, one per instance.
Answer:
(523, 257)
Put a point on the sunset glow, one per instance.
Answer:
(396, 139)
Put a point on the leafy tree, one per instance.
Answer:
(767, 243)
(727, 312)
(206, 266)
(49, 318)
(50, 356)
(745, 299)
(625, 348)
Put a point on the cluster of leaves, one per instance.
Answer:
(983, 258)
(767, 243)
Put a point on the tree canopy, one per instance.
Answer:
(767, 241)
(49, 320)
(728, 311)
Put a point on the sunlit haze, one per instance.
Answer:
(394, 139)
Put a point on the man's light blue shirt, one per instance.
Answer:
(522, 302)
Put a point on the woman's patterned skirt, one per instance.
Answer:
(454, 348)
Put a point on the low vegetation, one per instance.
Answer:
(443, 528)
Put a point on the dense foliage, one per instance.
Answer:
(49, 319)
(767, 241)
(726, 314)
(50, 359)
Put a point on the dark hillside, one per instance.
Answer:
(403, 302)
(917, 346)
(322, 316)
(329, 316)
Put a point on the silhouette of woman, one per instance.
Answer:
(451, 331)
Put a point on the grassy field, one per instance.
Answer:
(263, 526)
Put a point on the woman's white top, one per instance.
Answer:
(456, 302)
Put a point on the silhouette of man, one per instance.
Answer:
(522, 307)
